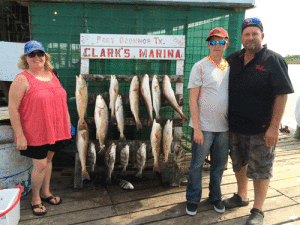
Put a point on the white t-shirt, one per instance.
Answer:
(213, 96)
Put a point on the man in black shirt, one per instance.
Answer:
(258, 88)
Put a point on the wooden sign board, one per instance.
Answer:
(118, 46)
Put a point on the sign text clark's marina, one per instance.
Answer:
(111, 46)
(137, 53)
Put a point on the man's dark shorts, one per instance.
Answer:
(251, 150)
(41, 152)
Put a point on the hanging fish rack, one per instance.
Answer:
(171, 170)
(130, 122)
(125, 97)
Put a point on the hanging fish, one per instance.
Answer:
(156, 97)
(169, 94)
(145, 90)
(91, 156)
(81, 95)
(126, 185)
(124, 159)
(113, 94)
(110, 159)
(101, 121)
(134, 100)
(167, 139)
(155, 139)
(82, 141)
(140, 160)
(120, 117)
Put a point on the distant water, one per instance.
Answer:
(289, 114)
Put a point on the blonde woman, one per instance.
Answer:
(40, 119)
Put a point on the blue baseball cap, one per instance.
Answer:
(252, 22)
(33, 45)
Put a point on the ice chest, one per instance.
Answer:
(10, 205)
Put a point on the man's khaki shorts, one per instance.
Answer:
(251, 150)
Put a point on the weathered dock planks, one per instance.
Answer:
(153, 203)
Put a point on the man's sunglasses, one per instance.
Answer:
(252, 21)
(213, 43)
(33, 54)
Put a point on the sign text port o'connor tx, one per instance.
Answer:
(119, 46)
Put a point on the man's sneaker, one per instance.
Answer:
(234, 201)
(256, 217)
(219, 207)
(191, 209)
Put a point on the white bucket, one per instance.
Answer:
(14, 168)
(6, 134)
(10, 206)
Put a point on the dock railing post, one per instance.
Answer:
(177, 130)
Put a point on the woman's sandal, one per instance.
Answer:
(49, 200)
(38, 206)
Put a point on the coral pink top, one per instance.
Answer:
(44, 112)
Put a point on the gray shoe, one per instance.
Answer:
(235, 201)
(256, 217)
(191, 209)
(219, 207)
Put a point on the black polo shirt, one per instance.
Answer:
(252, 90)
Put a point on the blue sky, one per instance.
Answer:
(281, 24)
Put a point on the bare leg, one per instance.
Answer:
(242, 182)
(37, 178)
(46, 184)
(260, 192)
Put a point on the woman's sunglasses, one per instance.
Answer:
(213, 43)
(33, 54)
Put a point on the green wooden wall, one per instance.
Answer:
(58, 26)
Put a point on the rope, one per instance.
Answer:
(16, 202)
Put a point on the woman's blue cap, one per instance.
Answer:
(33, 45)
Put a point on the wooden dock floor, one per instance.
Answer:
(153, 203)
